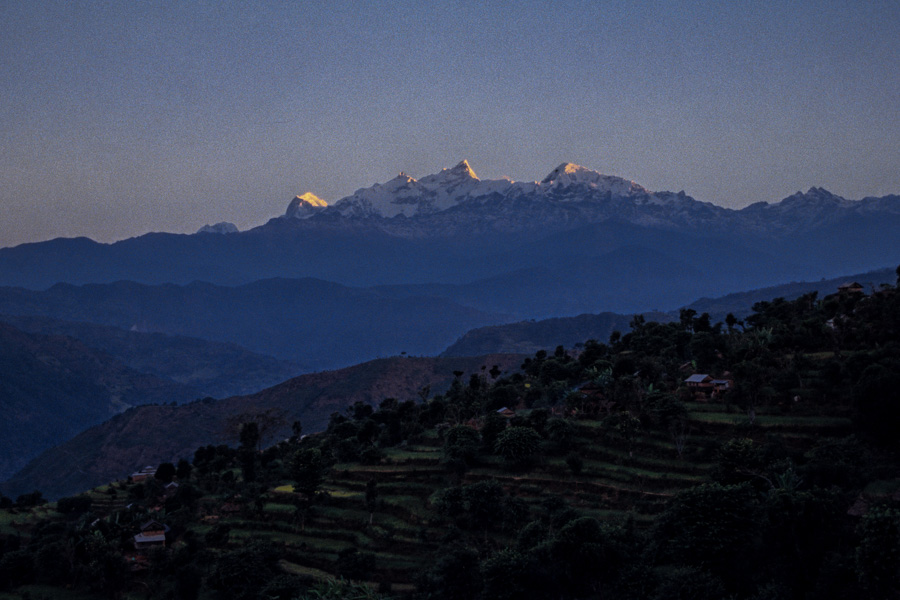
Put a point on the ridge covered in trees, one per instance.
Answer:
(745, 459)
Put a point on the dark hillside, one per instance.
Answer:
(741, 303)
(531, 336)
(53, 387)
(152, 434)
(527, 337)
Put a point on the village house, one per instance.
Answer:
(705, 386)
(851, 288)
(145, 473)
(699, 381)
(170, 489)
(153, 534)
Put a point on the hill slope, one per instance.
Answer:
(531, 336)
(153, 434)
(53, 387)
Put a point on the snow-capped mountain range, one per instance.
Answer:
(531, 249)
(456, 200)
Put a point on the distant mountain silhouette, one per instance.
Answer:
(315, 324)
(209, 368)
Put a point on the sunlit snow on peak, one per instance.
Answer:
(305, 206)
(312, 199)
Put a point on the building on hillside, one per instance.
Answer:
(722, 385)
(153, 534)
(699, 381)
(145, 473)
(851, 288)
(170, 489)
(705, 386)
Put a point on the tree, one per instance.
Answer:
(183, 470)
(455, 575)
(686, 318)
(371, 498)
(575, 463)
(689, 583)
(461, 443)
(339, 589)
(74, 504)
(353, 564)
(877, 400)
(518, 446)
(878, 555)
(35, 498)
(307, 469)
(560, 433)
(493, 426)
(582, 555)
(239, 574)
(506, 576)
(249, 436)
(710, 525)
(165, 472)
(483, 503)
(267, 422)
(739, 460)
(626, 426)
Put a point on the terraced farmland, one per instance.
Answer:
(619, 480)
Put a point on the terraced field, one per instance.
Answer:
(619, 479)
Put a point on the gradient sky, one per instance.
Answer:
(118, 118)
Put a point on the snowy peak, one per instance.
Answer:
(406, 196)
(461, 171)
(312, 200)
(568, 174)
(305, 206)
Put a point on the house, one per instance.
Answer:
(705, 386)
(851, 288)
(722, 385)
(145, 473)
(699, 381)
(153, 533)
(506, 412)
(170, 489)
(590, 390)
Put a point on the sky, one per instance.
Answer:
(119, 118)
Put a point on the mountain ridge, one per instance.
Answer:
(54, 386)
(158, 433)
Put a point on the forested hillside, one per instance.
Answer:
(745, 459)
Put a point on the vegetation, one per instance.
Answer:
(610, 478)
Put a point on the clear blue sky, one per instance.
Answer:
(118, 118)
